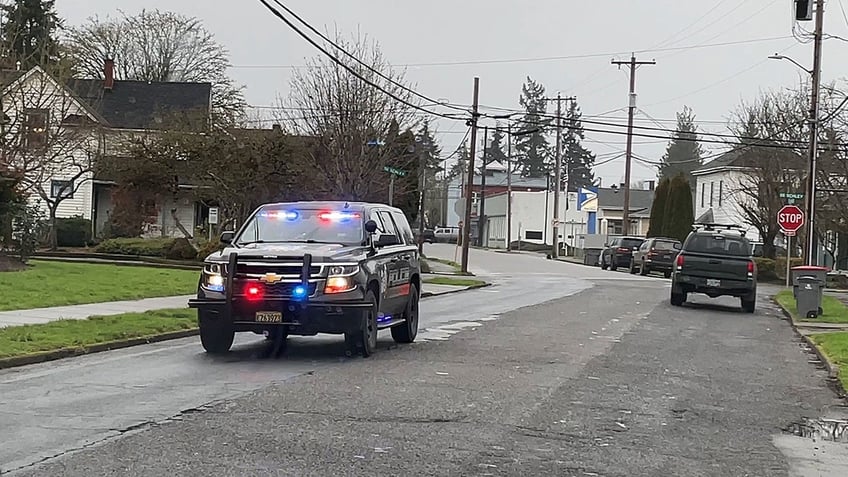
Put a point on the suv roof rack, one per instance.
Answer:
(711, 227)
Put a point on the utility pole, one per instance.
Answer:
(466, 226)
(629, 153)
(509, 189)
(812, 255)
(481, 217)
(558, 174)
(422, 166)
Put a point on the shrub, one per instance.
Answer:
(181, 249)
(208, 248)
(766, 269)
(157, 247)
(73, 232)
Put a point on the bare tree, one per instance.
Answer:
(158, 46)
(49, 140)
(770, 155)
(357, 128)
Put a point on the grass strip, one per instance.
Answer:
(835, 347)
(51, 283)
(24, 340)
(456, 282)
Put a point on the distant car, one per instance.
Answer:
(619, 252)
(716, 261)
(446, 234)
(429, 235)
(657, 254)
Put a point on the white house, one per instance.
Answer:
(54, 131)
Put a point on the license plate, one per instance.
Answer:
(713, 283)
(269, 317)
(666, 257)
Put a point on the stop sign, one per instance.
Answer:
(790, 218)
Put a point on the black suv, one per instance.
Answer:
(657, 254)
(305, 268)
(619, 252)
(716, 261)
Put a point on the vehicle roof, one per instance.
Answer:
(630, 237)
(668, 239)
(334, 204)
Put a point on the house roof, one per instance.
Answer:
(497, 178)
(640, 200)
(141, 104)
(751, 157)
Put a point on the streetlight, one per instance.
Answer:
(813, 151)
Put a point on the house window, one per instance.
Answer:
(712, 192)
(35, 128)
(703, 192)
(62, 189)
(720, 191)
(532, 235)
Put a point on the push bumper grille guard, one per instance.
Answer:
(305, 276)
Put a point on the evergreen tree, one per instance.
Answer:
(460, 167)
(683, 154)
(577, 160)
(494, 151)
(533, 150)
(679, 215)
(28, 32)
(655, 229)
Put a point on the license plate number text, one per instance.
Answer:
(269, 317)
(713, 283)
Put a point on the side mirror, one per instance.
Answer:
(227, 237)
(370, 226)
(387, 240)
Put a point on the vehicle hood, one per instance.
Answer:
(295, 251)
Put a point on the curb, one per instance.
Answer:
(832, 368)
(472, 287)
(45, 356)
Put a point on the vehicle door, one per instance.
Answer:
(409, 261)
(639, 256)
(609, 252)
(394, 283)
(382, 264)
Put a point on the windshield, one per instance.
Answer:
(718, 244)
(275, 225)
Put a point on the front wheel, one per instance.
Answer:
(406, 332)
(216, 335)
(633, 267)
(365, 340)
(749, 305)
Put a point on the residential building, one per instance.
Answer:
(44, 112)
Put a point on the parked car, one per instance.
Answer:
(657, 254)
(446, 234)
(429, 235)
(716, 261)
(619, 252)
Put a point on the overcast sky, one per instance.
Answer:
(565, 44)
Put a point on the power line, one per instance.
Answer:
(348, 68)
(367, 66)
(541, 59)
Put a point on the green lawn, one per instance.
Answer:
(835, 347)
(457, 282)
(834, 310)
(57, 335)
(49, 283)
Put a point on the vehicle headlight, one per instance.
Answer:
(343, 270)
(213, 276)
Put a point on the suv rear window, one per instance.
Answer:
(630, 243)
(718, 244)
(666, 245)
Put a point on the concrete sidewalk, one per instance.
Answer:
(80, 312)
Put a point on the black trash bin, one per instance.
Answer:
(805, 272)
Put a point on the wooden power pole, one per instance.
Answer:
(625, 226)
(469, 185)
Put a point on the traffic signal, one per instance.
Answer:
(804, 10)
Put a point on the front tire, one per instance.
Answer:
(406, 332)
(749, 305)
(365, 340)
(216, 335)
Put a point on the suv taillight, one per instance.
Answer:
(750, 267)
(680, 261)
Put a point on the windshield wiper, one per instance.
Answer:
(315, 241)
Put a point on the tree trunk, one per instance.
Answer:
(54, 236)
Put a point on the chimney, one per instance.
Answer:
(108, 74)
(276, 127)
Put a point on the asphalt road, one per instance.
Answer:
(558, 369)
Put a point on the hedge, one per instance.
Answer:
(73, 232)
(772, 270)
(169, 248)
